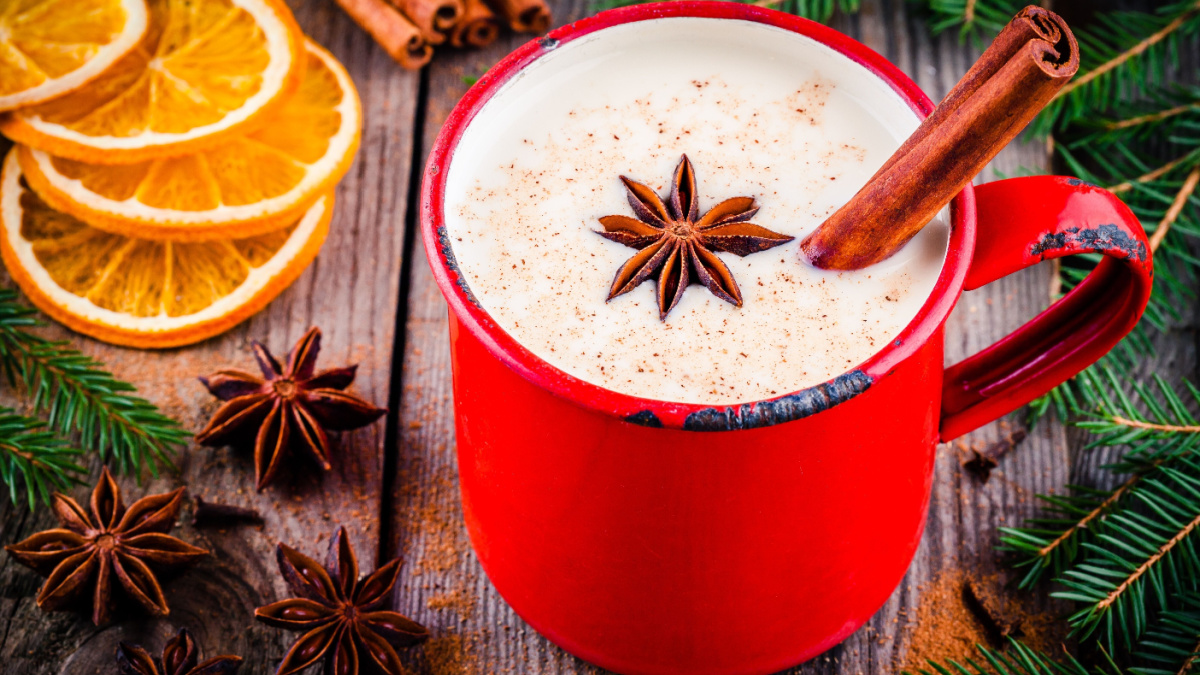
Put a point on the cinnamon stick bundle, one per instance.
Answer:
(435, 18)
(1022, 70)
(478, 26)
(524, 16)
(398, 36)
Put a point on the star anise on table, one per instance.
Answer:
(112, 548)
(286, 410)
(341, 616)
(180, 656)
(677, 246)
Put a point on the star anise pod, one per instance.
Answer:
(340, 615)
(287, 409)
(112, 547)
(677, 246)
(179, 657)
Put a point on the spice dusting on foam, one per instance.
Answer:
(541, 164)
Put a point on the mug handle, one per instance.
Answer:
(1021, 222)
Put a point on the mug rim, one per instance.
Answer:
(653, 412)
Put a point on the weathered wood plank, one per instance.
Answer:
(351, 292)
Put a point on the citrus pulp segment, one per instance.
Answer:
(50, 47)
(144, 293)
(205, 70)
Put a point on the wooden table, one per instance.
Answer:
(394, 485)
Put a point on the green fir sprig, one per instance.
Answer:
(1157, 426)
(34, 458)
(79, 400)
(1129, 557)
(1140, 561)
(1123, 56)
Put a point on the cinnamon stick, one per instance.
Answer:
(398, 36)
(435, 18)
(477, 27)
(1022, 70)
(523, 16)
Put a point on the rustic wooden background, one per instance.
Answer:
(394, 485)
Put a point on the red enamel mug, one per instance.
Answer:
(655, 537)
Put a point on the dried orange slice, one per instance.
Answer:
(249, 185)
(49, 47)
(144, 293)
(205, 71)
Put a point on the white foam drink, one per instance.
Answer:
(761, 112)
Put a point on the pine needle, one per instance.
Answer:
(82, 400)
(977, 19)
(1132, 52)
(34, 458)
(1123, 55)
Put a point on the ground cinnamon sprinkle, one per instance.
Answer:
(439, 520)
(459, 600)
(951, 620)
(451, 654)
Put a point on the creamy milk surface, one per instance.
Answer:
(760, 112)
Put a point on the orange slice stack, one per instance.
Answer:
(175, 161)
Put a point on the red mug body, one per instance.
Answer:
(655, 537)
(655, 550)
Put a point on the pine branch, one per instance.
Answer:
(1151, 118)
(1163, 416)
(1156, 425)
(1177, 205)
(1122, 55)
(1159, 113)
(1141, 562)
(1161, 171)
(79, 397)
(1148, 567)
(1168, 428)
(1135, 50)
(1049, 545)
(32, 456)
